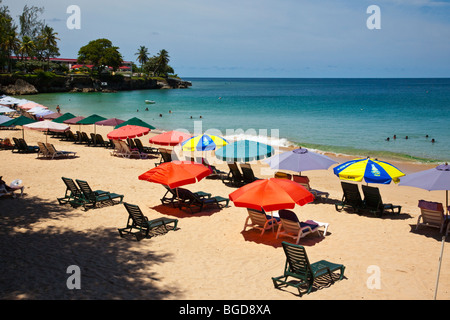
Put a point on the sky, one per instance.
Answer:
(265, 38)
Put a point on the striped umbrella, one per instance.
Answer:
(204, 142)
(372, 171)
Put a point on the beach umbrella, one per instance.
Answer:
(437, 178)
(244, 151)
(4, 109)
(135, 122)
(43, 113)
(37, 110)
(372, 171)
(73, 120)
(271, 194)
(19, 121)
(29, 105)
(47, 126)
(110, 122)
(64, 117)
(4, 119)
(299, 160)
(128, 131)
(203, 142)
(176, 173)
(170, 138)
(52, 116)
(92, 119)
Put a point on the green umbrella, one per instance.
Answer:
(135, 122)
(64, 117)
(92, 119)
(20, 121)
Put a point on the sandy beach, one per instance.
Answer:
(208, 257)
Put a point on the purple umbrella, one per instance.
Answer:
(110, 122)
(73, 120)
(300, 160)
(437, 178)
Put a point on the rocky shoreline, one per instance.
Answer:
(11, 85)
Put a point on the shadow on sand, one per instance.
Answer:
(34, 262)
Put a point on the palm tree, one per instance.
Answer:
(142, 55)
(48, 42)
(162, 61)
(26, 47)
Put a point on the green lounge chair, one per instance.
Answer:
(191, 201)
(73, 193)
(374, 203)
(139, 225)
(297, 266)
(142, 148)
(170, 197)
(247, 173)
(351, 198)
(91, 197)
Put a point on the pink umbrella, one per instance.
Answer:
(127, 131)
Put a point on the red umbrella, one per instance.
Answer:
(170, 138)
(127, 131)
(271, 194)
(176, 173)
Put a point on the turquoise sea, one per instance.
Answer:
(344, 116)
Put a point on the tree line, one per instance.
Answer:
(34, 43)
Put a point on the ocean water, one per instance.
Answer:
(343, 116)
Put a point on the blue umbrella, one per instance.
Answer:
(300, 160)
(203, 142)
(244, 151)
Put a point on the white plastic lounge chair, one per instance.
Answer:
(290, 226)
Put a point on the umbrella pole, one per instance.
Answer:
(439, 268)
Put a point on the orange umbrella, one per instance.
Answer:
(176, 173)
(128, 131)
(271, 194)
(170, 138)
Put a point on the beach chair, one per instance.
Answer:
(247, 173)
(90, 197)
(5, 144)
(26, 148)
(100, 141)
(260, 220)
(58, 153)
(298, 267)
(117, 151)
(351, 198)
(304, 181)
(171, 197)
(10, 190)
(73, 193)
(139, 225)
(292, 227)
(96, 140)
(432, 215)
(234, 176)
(70, 136)
(166, 156)
(43, 151)
(142, 149)
(282, 175)
(373, 202)
(127, 152)
(192, 202)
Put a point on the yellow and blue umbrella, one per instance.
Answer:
(372, 171)
(204, 142)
